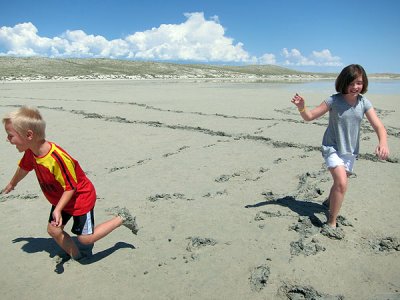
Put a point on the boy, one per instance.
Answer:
(62, 181)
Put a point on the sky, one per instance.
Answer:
(307, 35)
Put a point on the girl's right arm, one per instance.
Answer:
(306, 114)
(382, 150)
(18, 176)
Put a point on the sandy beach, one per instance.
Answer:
(226, 182)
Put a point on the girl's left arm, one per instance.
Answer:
(382, 150)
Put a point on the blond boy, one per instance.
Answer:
(63, 182)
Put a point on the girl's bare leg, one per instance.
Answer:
(336, 195)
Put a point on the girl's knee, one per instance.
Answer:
(339, 180)
(340, 186)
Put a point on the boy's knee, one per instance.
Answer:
(53, 231)
(50, 230)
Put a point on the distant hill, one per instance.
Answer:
(34, 68)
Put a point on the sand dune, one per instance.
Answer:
(40, 68)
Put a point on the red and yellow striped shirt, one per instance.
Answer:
(57, 172)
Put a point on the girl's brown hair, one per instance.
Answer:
(348, 75)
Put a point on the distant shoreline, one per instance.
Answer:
(26, 69)
(249, 79)
(269, 79)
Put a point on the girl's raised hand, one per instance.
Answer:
(298, 101)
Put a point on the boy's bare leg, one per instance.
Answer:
(101, 231)
(122, 217)
(128, 220)
(64, 240)
(337, 193)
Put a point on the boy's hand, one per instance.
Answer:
(57, 218)
(7, 189)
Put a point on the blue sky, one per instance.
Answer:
(308, 35)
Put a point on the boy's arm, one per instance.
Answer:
(66, 196)
(18, 176)
(382, 150)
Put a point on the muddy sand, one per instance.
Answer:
(226, 183)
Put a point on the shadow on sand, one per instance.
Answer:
(35, 245)
(300, 207)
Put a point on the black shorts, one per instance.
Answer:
(83, 225)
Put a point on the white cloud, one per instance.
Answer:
(294, 57)
(196, 39)
(325, 58)
(267, 58)
(22, 40)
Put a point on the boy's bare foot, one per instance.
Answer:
(127, 219)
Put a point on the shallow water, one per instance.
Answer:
(376, 86)
(382, 87)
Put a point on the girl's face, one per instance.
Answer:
(355, 87)
(20, 142)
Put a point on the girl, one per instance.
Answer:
(340, 143)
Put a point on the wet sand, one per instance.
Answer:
(226, 183)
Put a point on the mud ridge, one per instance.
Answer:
(266, 140)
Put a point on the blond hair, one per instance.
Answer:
(27, 118)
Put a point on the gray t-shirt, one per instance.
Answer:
(343, 132)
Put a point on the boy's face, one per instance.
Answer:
(20, 142)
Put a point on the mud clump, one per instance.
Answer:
(297, 292)
(387, 244)
(332, 233)
(305, 247)
(305, 227)
(259, 278)
(198, 242)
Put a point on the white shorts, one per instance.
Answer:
(346, 160)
